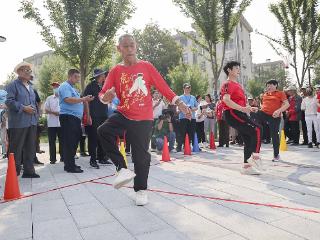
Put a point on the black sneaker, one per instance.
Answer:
(310, 145)
(94, 164)
(30, 175)
(104, 162)
(53, 162)
(74, 170)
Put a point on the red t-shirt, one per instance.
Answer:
(132, 85)
(318, 98)
(219, 110)
(292, 113)
(236, 93)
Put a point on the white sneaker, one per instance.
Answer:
(256, 162)
(141, 198)
(276, 159)
(124, 176)
(250, 170)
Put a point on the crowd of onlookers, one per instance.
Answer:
(72, 117)
(302, 115)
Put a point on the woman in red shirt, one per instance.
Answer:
(236, 113)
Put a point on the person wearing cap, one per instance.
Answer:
(22, 120)
(237, 114)
(273, 103)
(52, 109)
(98, 115)
(71, 113)
(131, 81)
(294, 114)
(186, 124)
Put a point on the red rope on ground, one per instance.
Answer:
(224, 199)
(55, 189)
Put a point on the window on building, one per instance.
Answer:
(229, 44)
(203, 66)
(242, 44)
(184, 42)
(185, 58)
(241, 27)
(195, 59)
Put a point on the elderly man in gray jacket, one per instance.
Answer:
(22, 120)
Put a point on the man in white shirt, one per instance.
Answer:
(52, 109)
(158, 105)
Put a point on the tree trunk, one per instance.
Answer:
(83, 73)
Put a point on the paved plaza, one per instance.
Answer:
(202, 196)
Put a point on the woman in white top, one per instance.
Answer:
(309, 105)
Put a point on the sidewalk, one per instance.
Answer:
(202, 196)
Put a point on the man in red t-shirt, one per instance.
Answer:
(236, 113)
(131, 81)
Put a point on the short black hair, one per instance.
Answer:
(230, 65)
(209, 96)
(72, 71)
(273, 82)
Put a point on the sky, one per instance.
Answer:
(24, 40)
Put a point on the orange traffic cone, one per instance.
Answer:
(212, 143)
(165, 150)
(187, 148)
(11, 190)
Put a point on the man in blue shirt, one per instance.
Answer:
(71, 112)
(187, 125)
(22, 120)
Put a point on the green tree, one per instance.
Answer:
(10, 77)
(53, 69)
(278, 74)
(300, 39)
(316, 78)
(255, 88)
(188, 74)
(214, 21)
(85, 29)
(157, 46)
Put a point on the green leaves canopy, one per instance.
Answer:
(158, 47)
(214, 21)
(86, 28)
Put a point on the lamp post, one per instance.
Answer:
(2, 39)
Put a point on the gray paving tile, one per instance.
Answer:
(16, 226)
(167, 234)
(90, 214)
(303, 227)
(138, 220)
(49, 210)
(112, 230)
(76, 195)
(61, 228)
